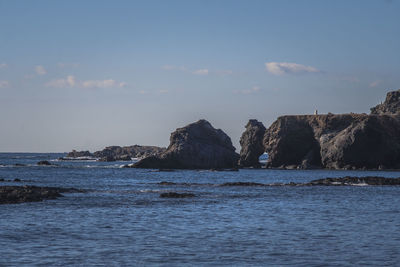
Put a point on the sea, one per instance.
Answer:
(122, 221)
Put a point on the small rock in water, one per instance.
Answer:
(44, 163)
(176, 195)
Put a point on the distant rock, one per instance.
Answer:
(20, 194)
(369, 180)
(44, 163)
(127, 152)
(390, 106)
(195, 146)
(115, 153)
(252, 144)
(79, 154)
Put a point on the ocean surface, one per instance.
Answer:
(122, 221)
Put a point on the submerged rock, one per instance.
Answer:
(195, 146)
(252, 144)
(20, 194)
(176, 195)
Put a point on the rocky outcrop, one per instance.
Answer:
(116, 153)
(346, 141)
(195, 146)
(127, 152)
(252, 144)
(390, 106)
(20, 194)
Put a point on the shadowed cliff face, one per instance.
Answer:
(195, 146)
(252, 144)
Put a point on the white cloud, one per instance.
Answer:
(374, 83)
(62, 83)
(280, 68)
(254, 89)
(201, 72)
(3, 65)
(4, 84)
(102, 83)
(40, 70)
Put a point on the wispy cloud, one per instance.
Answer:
(252, 90)
(40, 70)
(374, 83)
(3, 65)
(201, 72)
(4, 84)
(102, 83)
(70, 81)
(280, 68)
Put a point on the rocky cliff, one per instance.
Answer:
(334, 141)
(195, 146)
(252, 144)
(343, 141)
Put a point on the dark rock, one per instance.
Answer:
(79, 154)
(176, 195)
(108, 158)
(2, 180)
(195, 146)
(17, 180)
(225, 170)
(19, 165)
(390, 106)
(252, 144)
(20, 194)
(44, 163)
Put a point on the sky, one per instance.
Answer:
(88, 74)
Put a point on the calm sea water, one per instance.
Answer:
(122, 220)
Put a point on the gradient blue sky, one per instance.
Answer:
(87, 74)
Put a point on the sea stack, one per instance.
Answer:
(252, 144)
(196, 146)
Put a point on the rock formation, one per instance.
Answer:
(252, 144)
(390, 106)
(195, 146)
(334, 141)
(79, 154)
(344, 141)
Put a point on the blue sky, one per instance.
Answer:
(87, 74)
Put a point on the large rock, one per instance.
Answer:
(79, 154)
(195, 146)
(252, 144)
(390, 106)
(334, 141)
